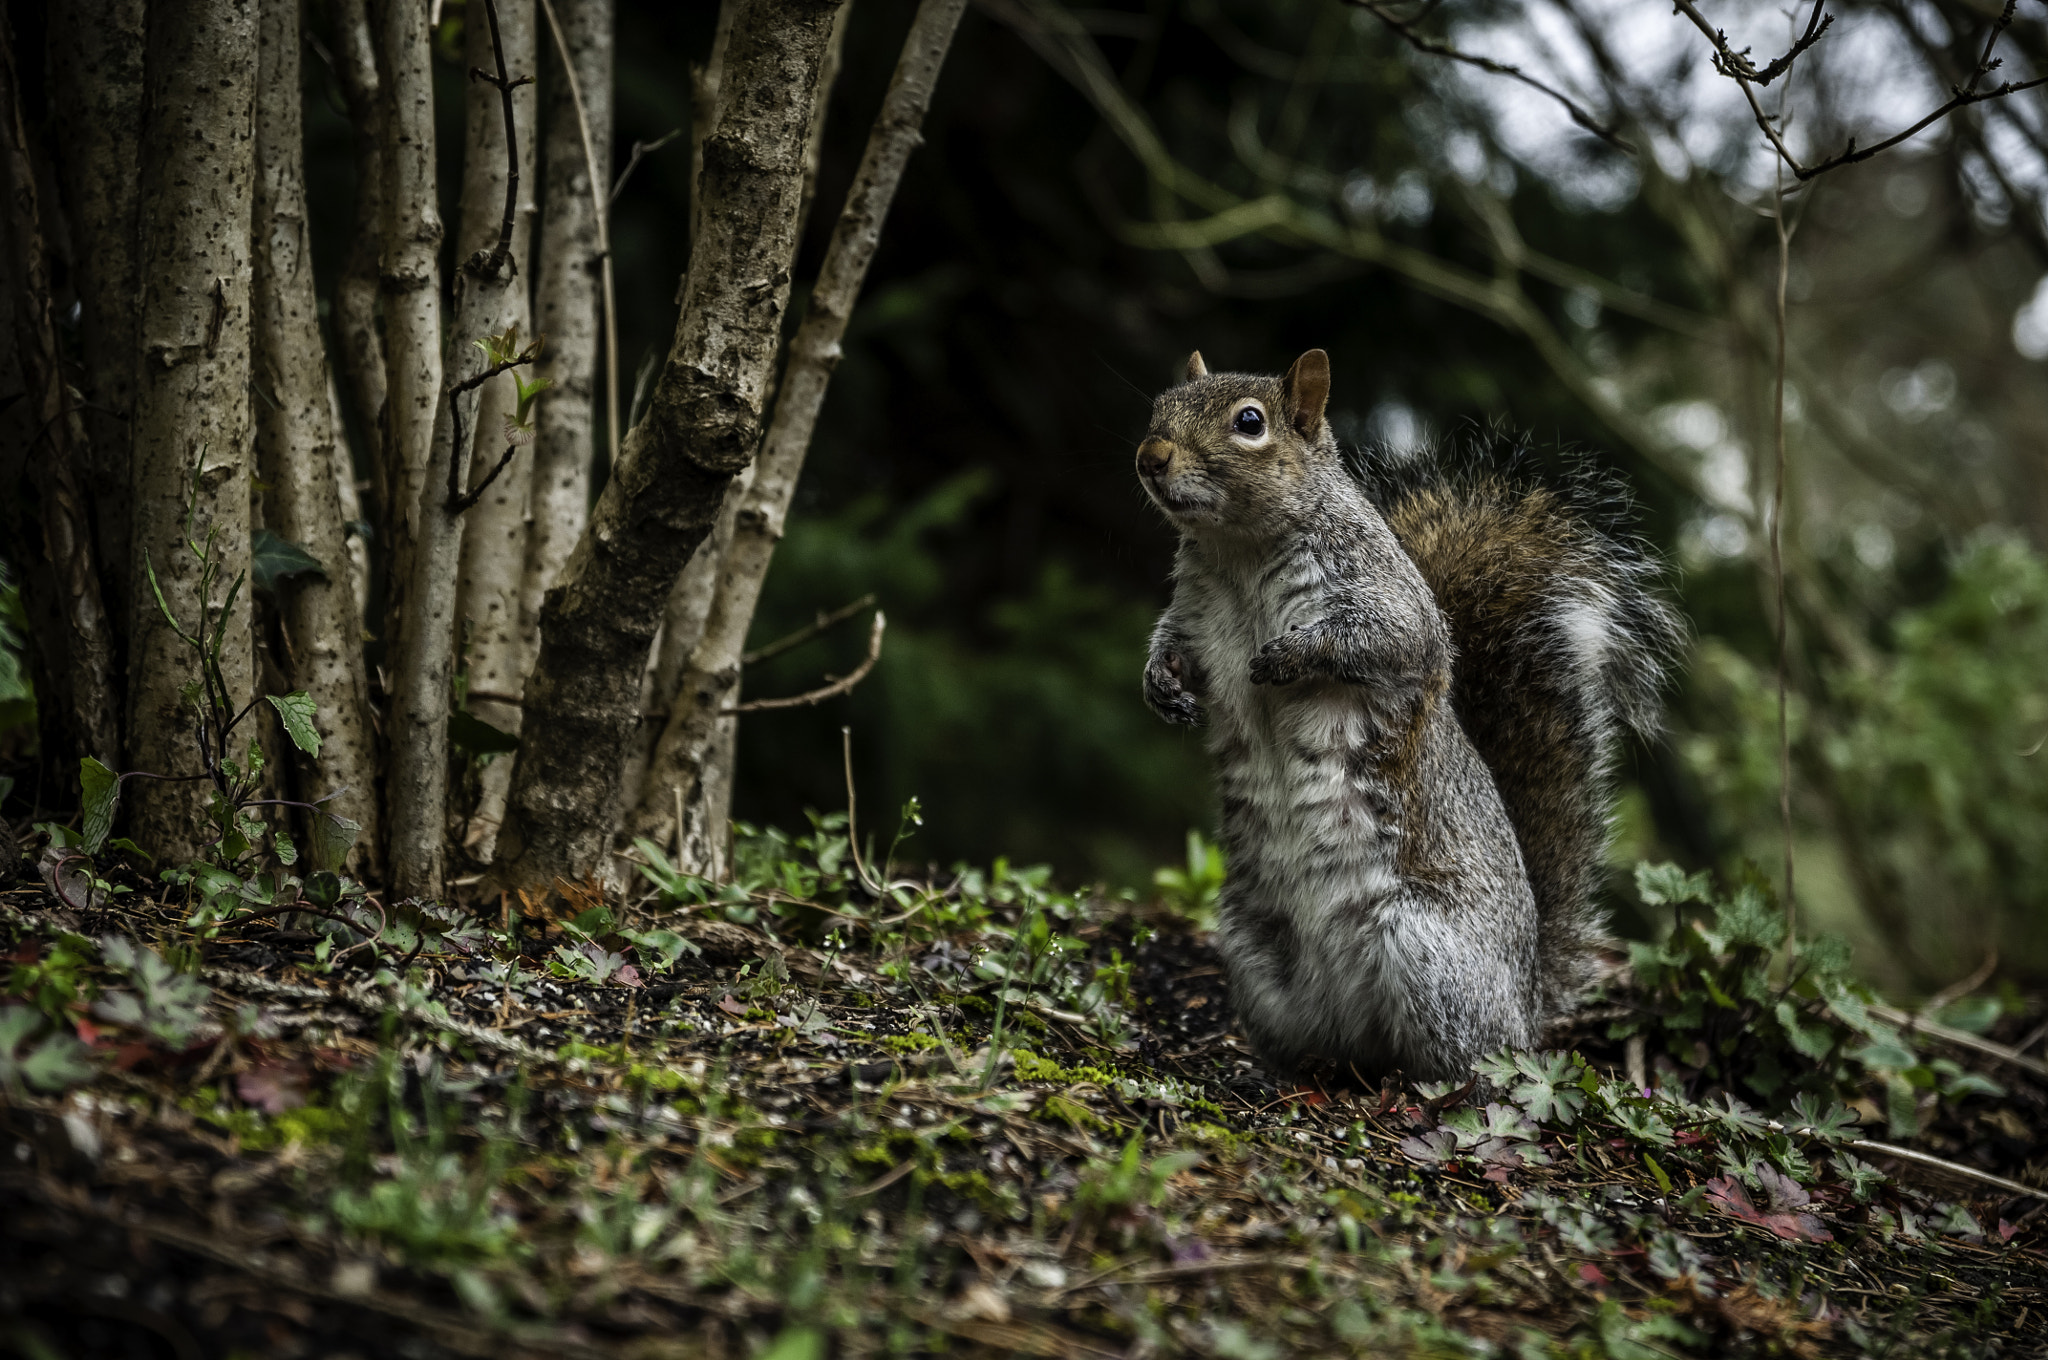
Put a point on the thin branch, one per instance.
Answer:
(1737, 67)
(601, 207)
(456, 501)
(831, 691)
(1784, 232)
(808, 631)
(633, 161)
(458, 504)
(501, 254)
(1406, 30)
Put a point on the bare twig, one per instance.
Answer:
(833, 690)
(458, 504)
(456, 501)
(501, 254)
(1737, 67)
(1406, 30)
(640, 149)
(1956, 991)
(808, 631)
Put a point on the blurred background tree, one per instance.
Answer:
(1103, 189)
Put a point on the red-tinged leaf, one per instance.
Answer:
(1592, 1274)
(1306, 1096)
(629, 975)
(1498, 1175)
(127, 1055)
(87, 1031)
(273, 1087)
(1688, 1137)
(730, 1006)
(1732, 1199)
(2006, 1230)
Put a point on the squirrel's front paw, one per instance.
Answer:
(1280, 661)
(1169, 697)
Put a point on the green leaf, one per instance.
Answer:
(333, 837)
(797, 1343)
(1662, 885)
(123, 843)
(275, 559)
(287, 853)
(473, 736)
(298, 711)
(102, 789)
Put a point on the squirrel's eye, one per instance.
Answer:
(1250, 423)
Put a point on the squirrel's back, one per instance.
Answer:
(1560, 640)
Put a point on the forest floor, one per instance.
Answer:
(976, 1117)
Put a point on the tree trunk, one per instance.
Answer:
(410, 276)
(696, 749)
(296, 443)
(355, 291)
(570, 264)
(701, 427)
(72, 634)
(96, 97)
(494, 541)
(192, 397)
(422, 670)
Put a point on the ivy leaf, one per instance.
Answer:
(333, 837)
(1554, 1091)
(273, 559)
(1661, 885)
(297, 710)
(102, 789)
(1809, 1041)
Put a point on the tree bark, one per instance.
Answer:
(355, 290)
(494, 540)
(569, 301)
(422, 671)
(410, 278)
(73, 634)
(701, 427)
(192, 398)
(695, 752)
(296, 442)
(96, 88)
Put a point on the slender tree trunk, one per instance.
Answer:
(192, 398)
(695, 753)
(422, 672)
(72, 633)
(410, 277)
(296, 440)
(355, 291)
(96, 96)
(494, 541)
(702, 426)
(689, 604)
(570, 292)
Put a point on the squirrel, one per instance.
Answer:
(1413, 683)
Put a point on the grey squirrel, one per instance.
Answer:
(1413, 688)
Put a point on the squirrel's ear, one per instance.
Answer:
(1308, 389)
(1196, 368)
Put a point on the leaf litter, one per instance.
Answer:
(974, 1116)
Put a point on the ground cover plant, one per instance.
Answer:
(834, 1106)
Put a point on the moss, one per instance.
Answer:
(1070, 1112)
(1001, 1200)
(1224, 1140)
(909, 1043)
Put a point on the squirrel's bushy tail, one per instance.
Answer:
(1561, 639)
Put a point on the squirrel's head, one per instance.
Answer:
(1231, 453)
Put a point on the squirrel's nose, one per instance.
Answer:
(1155, 455)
